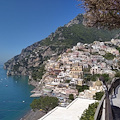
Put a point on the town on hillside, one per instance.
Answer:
(76, 72)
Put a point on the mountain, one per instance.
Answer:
(31, 59)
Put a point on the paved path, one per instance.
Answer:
(116, 105)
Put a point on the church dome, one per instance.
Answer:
(98, 83)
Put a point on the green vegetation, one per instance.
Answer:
(87, 77)
(38, 73)
(77, 33)
(46, 58)
(25, 62)
(118, 48)
(86, 69)
(109, 56)
(67, 81)
(45, 103)
(71, 97)
(82, 88)
(106, 77)
(98, 95)
(88, 114)
(95, 53)
(63, 38)
(80, 50)
(95, 77)
(117, 74)
(16, 67)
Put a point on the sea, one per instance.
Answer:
(14, 96)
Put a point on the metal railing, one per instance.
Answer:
(99, 109)
(108, 109)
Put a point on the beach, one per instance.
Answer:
(31, 115)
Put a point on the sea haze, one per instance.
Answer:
(14, 96)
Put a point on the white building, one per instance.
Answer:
(72, 112)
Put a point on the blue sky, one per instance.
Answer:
(24, 22)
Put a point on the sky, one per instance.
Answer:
(24, 22)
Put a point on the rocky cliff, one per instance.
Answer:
(29, 59)
(32, 57)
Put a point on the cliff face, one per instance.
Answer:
(32, 57)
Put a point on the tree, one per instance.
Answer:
(94, 77)
(88, 114)
(71, 97)
(38, 73)
(45, 103)
(98, 95)
(109, 56)
(82, 88)
(117, 74)
(102, 13)
(106, 77)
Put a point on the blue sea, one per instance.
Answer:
(14, 96)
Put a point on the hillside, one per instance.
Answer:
(31, 58)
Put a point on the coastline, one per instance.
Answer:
(31, 115)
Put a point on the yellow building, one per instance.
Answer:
(80, 82)
(76, 71)
(96, 87)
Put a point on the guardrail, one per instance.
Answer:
(108, 110)
(99, 109)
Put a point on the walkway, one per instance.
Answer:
(116, 105)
